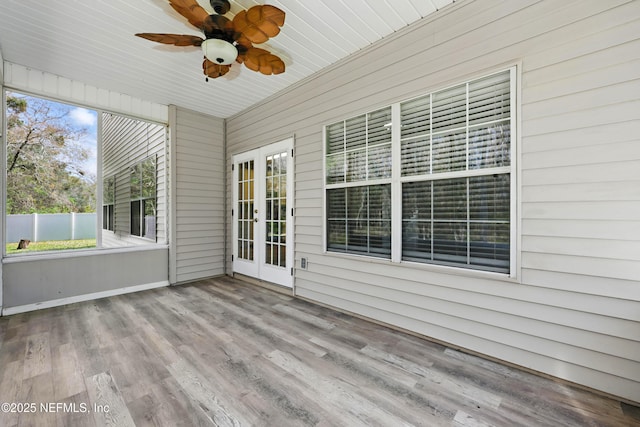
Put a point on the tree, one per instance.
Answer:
(45, 159)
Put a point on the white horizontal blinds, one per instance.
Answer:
(337, 219)
(435, 128)
(359, 220)
(417, 221)
(335, 149)
(489, 122)
(455, 183)
(490, 145)
(356, 148)
(416, 136)
(490, 99)
(465, 218)
(489, 221)
(379, 144)
(457, 221)
(450, 238)
(416, 117)
(379, 220)
(358, 151)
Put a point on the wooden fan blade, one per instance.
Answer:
(174, 39)
(213, 70)
(259, 23)
(261, 60)
(191, 10)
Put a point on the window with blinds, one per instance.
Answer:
(358, 152)
(359, 220)
(454, 178)
(359, 149)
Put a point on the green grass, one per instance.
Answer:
(52, 245)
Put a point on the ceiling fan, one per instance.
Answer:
(228, 40)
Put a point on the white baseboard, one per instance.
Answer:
(80, 298)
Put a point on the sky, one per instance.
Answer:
(88, 119)
(84, 117)
(78, 118)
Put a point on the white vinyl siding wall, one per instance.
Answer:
(572, 308)
(199, 196)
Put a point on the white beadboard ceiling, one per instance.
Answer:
(92, 41)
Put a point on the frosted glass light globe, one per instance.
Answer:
(219, 51)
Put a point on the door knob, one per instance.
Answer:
(255, 220)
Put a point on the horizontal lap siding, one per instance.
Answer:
(573, 312)
(200, 196)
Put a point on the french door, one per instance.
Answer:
(262, 213)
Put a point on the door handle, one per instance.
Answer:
(255, 220)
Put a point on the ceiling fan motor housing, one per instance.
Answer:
(219, 27)
(220, 6)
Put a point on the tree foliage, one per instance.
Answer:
(45, 159)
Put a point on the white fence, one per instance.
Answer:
(43, 227)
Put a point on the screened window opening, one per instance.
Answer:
(50, 176)
(454, 180)
(52, 201)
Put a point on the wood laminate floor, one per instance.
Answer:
(221, 352)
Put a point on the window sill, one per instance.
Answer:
(42, 256)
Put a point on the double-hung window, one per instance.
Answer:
(358, 165)
(445, 160)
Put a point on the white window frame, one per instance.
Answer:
(397, 180)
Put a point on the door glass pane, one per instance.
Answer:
(269, 188)
(245, 212)
(276, 203)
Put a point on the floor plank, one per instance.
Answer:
(222, 352)
(37, 358)
(204, 393)
(107, 405)
(67, 377)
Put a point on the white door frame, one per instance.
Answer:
(263, 244)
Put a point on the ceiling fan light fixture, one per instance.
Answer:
(219, 51)
(228, 40)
